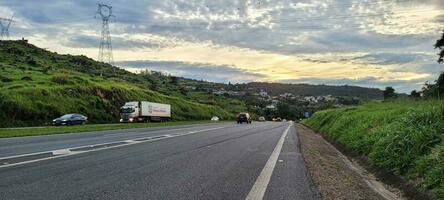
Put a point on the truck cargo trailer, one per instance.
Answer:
(144, 111)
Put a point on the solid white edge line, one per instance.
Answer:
(127, 143)
(259, 188)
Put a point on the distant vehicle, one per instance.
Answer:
(144, 111)
(261, 119)
(70, 119)
(284, 120)
(243, 117)
(215, 118)
(278, 119)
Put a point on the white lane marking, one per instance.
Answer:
(68, 152)
(61, 152)
(257, 192)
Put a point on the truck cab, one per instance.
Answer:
(129, 112)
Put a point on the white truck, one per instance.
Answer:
(144, 111)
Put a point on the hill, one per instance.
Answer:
(37, 85)
(317, 90)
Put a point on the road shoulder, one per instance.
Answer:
(335, 176)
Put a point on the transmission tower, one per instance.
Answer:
(105, 49)
(5, 24)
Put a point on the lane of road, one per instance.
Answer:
(33, 144)
(222, 163)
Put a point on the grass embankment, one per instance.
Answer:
(403, 137)
(49, 130)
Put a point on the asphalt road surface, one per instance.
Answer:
(217, 161)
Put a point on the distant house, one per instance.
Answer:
(311, 99)
(191, 87)
(274, 102)
(271, 107)
(236, 93)
(220, 91)
(286, 95)
(263, 93)
(330, 98)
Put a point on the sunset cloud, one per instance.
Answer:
(366, 43)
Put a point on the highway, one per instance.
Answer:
(213, 161)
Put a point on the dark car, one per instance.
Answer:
(243, 117)
(70, 119)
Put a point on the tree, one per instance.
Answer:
(389, 93)
(440, 86)
(415, 94)
(440, 45)
(434, 90)
(174, 80)
(154, 86)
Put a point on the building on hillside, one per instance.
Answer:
(311, 99)
(220, 91)
(286, 95)
(274, 102)
(263, 93)
(271, 107)
(236, 93)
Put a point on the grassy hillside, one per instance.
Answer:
(404, 137)
(37, 86)
(318, 90)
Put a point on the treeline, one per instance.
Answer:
(429, 91)
(317, 90)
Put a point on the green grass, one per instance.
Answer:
(49, 130)
(404, 137)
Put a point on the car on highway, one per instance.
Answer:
(215, 119)
(261, 119)
(70, 119)
(243, 117)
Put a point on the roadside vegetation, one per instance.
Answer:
(49, 130)
(403, 137)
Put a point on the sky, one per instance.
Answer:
(370, 43)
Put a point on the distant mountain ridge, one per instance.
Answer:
(317, 90)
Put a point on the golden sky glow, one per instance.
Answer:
(369, 43)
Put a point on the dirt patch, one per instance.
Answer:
(336, 176)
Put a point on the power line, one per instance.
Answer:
(290, 20)
(355, 16)
(279, 26)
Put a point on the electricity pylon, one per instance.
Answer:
(5, 24)
(105, 49)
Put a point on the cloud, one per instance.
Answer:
(401, 86)
(208, 72)
(329, 40)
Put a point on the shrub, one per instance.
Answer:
(404, 137)
(60, 79)
(5, 79)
